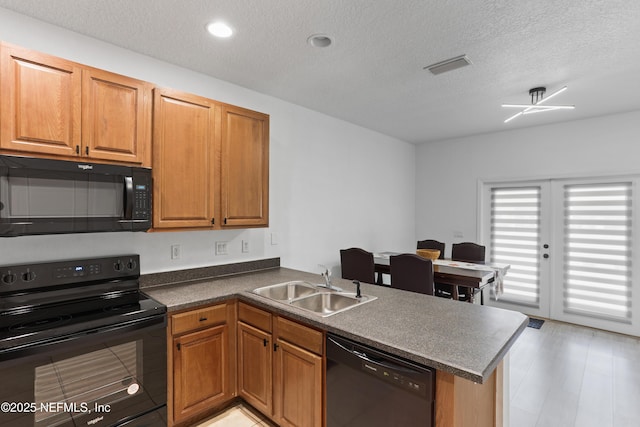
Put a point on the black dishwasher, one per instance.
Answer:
(369, 388)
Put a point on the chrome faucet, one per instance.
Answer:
(326, 275)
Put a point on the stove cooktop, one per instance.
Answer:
(48, 302)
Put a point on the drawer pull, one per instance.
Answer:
(203, 319)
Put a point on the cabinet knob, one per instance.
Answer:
(203, 319)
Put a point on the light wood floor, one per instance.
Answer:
(561, 376)
(564, 375)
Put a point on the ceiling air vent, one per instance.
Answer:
(448, 65)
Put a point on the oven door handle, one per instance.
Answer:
(93, 335)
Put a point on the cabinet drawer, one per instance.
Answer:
(254, 316)
(199, 318)
(302, 336)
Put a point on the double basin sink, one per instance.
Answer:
(313, 298)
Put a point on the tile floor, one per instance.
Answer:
(237, 416)
(562, 375)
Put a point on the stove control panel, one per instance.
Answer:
(43, 275)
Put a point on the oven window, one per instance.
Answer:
(36, 197)
(84, 383)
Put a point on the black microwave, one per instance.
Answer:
(43, 196)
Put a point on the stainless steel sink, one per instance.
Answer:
(287, 291)
(313, 298)
(327, 303)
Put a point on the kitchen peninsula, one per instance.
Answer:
(465, 343)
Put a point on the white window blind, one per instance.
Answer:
(515, 240)
(597, 250)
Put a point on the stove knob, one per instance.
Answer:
(28, 276)
(131, 264)
(118, 266)
(8, 279)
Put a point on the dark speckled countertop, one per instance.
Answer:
(467, 340)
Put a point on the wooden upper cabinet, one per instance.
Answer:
(57, 108)
(40, 102)
(116, 117)
(245, 168)
(184, 166)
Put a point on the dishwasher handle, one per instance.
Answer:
(385, 363)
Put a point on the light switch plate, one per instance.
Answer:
(176, 251)
(221, 248)
(245, 246)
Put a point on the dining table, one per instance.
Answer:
(476, 276)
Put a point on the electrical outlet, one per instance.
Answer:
(245, 246)
(176, 252)
(221, 248)
(274, 238)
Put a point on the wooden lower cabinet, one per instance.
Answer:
(280, 367)
(255, 355)
(298, 386)
(202, 361)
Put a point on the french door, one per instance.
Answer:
(570, 244)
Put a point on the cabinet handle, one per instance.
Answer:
(77, 149)
(213, 221)
(275, 346)
(178, 345)
(203, 319)
(86, 150)
(225, 221)
(265, 342)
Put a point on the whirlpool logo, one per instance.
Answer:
(85, 167)
(95, 421)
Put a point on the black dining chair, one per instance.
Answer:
(467, 252)
(357, 264)
(432, 244)
(411, 272)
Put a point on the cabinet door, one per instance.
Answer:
(254, 367)
(40, 103)
(183, 160)
(298, 389)
(116, 117)
(245, 167)
(201, 367)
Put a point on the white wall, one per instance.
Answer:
(448, 172)
(332, 184)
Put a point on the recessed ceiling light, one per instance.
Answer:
(319, 40)
(219, 29)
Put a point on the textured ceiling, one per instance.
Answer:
(373, 75)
